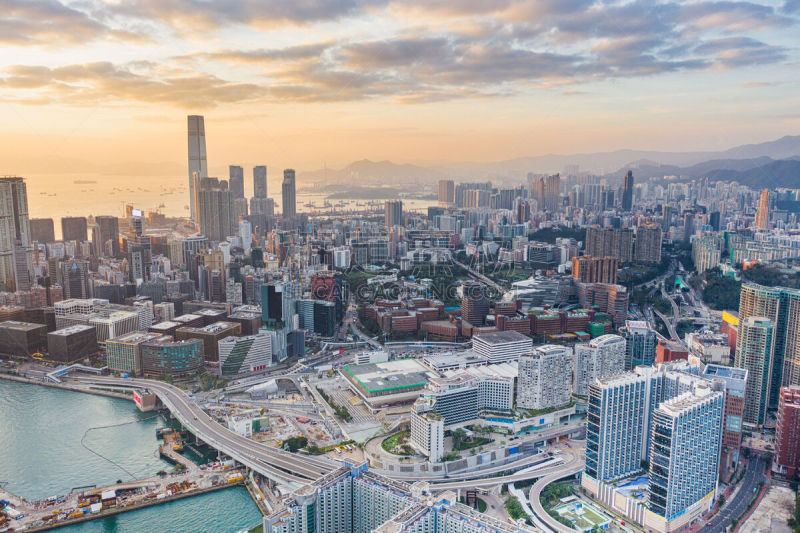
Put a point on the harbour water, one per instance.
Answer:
(44, 440)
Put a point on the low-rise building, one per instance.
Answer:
(501, 346)
(210, 335)
(251, 353)
(123, 353)
(72, 343)
(22, 338)
(164, 356)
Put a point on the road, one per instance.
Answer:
(570, 461)
(735, 508)
(274, 463)
(536, 492)
(477, 275)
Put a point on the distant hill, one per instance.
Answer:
(613, 164)
(785, 173)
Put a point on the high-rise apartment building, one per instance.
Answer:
(602, 357)
(260, 181)
(198, 167)
(706, 252)
(614, 242)
(42, 230)
(544, 377)
(236, 181)
(215, 209)
(447, 192)
(15, 231)
(73, 229)
(627, 191)
(762, 215)
(755, 347)
(787, 435)
(289, 195)
(647, 248)
(735, 380)
(547, 192)
(105, 236)
(393, 213)
(782, 307)
(595, 269)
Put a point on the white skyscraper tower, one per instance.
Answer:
(198, 167)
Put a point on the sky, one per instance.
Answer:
(105, 85)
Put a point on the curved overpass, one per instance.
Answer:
(273, 463)
(536, 491)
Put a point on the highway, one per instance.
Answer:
(276, 464)
(480, 277)
(536, 492)
(570, 464)
(735, 508)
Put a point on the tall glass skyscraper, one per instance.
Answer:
(198, 167)
(289, 194)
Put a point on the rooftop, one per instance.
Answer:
(391, 375)
(71, 330)
(502, 337)
(20, 326)
(134, 337)
(726, 372)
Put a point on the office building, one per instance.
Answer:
(667, 419)
(165, 357)
(647, 248)
(640, 343)
(72, 343)
(105, 236)
(501, 346)
(393, 213)
(140, 262)
(22, 338)
(602, 357)
(544, 377)
(215, 209)
(74, 229)
(595, 269)
(75, 279)
(42, 230)
(762, 215)
(288, 193)
(109, 320)
(787, 433)
(684, 453)
(124, 351)
(754, 352)
(198, 167)
(627, 191)
(210, 335)
(238, 355)
(260, 181)
(236, 181)
(447, 193)
(474, 303)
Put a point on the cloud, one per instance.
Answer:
(733, 52)
(51, 23)
(103, 82)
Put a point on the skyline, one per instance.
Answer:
(301, 87)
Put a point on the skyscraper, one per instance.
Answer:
(447, 192)
(236, 181)
(684, 453)
(600, 358)
(595, 269)
(289, 195)
(215, 209)
(755, 347)
(647, 248)
(474, 303)
(42, 230)
(547, 192)
(782, 307)
(198, 167)
(627, 192)
(393, 213)
(762, 215)
(73, 229)
(15, 228)
(787, 435)
(105, 235)
(260, 181)
(75, 276)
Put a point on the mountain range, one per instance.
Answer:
(776, 162)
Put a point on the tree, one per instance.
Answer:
(459, 436)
